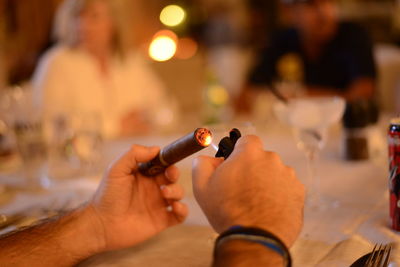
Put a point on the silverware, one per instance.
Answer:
(32, 215)
(379, 256)
(8, 220)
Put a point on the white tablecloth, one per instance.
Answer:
(334, 237)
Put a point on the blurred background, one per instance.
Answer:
(76, 72)
(239, 26)
(82, 80)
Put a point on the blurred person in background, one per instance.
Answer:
(323, 54)
(90, 72)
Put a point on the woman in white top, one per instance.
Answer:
(88, 72)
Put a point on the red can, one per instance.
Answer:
(394, 173)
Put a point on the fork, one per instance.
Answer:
(379, 256)
(33, 215)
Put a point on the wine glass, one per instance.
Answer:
(310, 117)
(75, 145)
(25, 120)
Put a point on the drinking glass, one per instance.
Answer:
(310, 117)
(75, 144)
(33, 152)
(27, 124)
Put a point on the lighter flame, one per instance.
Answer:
(207, 140)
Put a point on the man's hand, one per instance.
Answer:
(251, 188)
(129, 207)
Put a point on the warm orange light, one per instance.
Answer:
(187, 48)
(172, 15)
(207, 140)
(163, 46)
(203, 136)
(167, 33)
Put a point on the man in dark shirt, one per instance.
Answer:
(327, 56)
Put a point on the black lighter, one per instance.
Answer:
(227, 144)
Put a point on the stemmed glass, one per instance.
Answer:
(310, 117)
(24, 118)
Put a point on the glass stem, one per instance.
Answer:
(313, 182)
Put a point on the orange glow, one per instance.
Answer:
(203, 136)
(207, 140)
(187, 48)
(167, 33)
(163, 45)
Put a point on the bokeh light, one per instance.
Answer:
(163, 46)
(167, 33)
(187, 48)
(172, 15)
(217, 95)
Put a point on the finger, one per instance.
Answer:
(248, 142)
(172, 192)
(170, 175)
(203, 168)
(274, 157)
(128, 162)
(179, 212)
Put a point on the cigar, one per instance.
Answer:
(176, 151)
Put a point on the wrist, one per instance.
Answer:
(258, 236)
(242, 253)
(284, 231)
(94, 227)
(82, 234)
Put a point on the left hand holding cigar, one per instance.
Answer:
(130, 207)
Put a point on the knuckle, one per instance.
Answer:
(291, 171)
(273, 156)
(134, 147)
(250, 141)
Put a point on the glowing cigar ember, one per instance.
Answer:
(178, 150)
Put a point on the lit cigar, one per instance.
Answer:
(178, 150)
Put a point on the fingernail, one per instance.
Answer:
(165, 189)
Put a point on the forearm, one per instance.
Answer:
(362, 88)
(245, 99)
(324, 91)
(238, 253)
(56, 242)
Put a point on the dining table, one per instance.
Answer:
(356, 217)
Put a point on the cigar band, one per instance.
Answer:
(161, 158)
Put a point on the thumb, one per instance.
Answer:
(203, 169)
